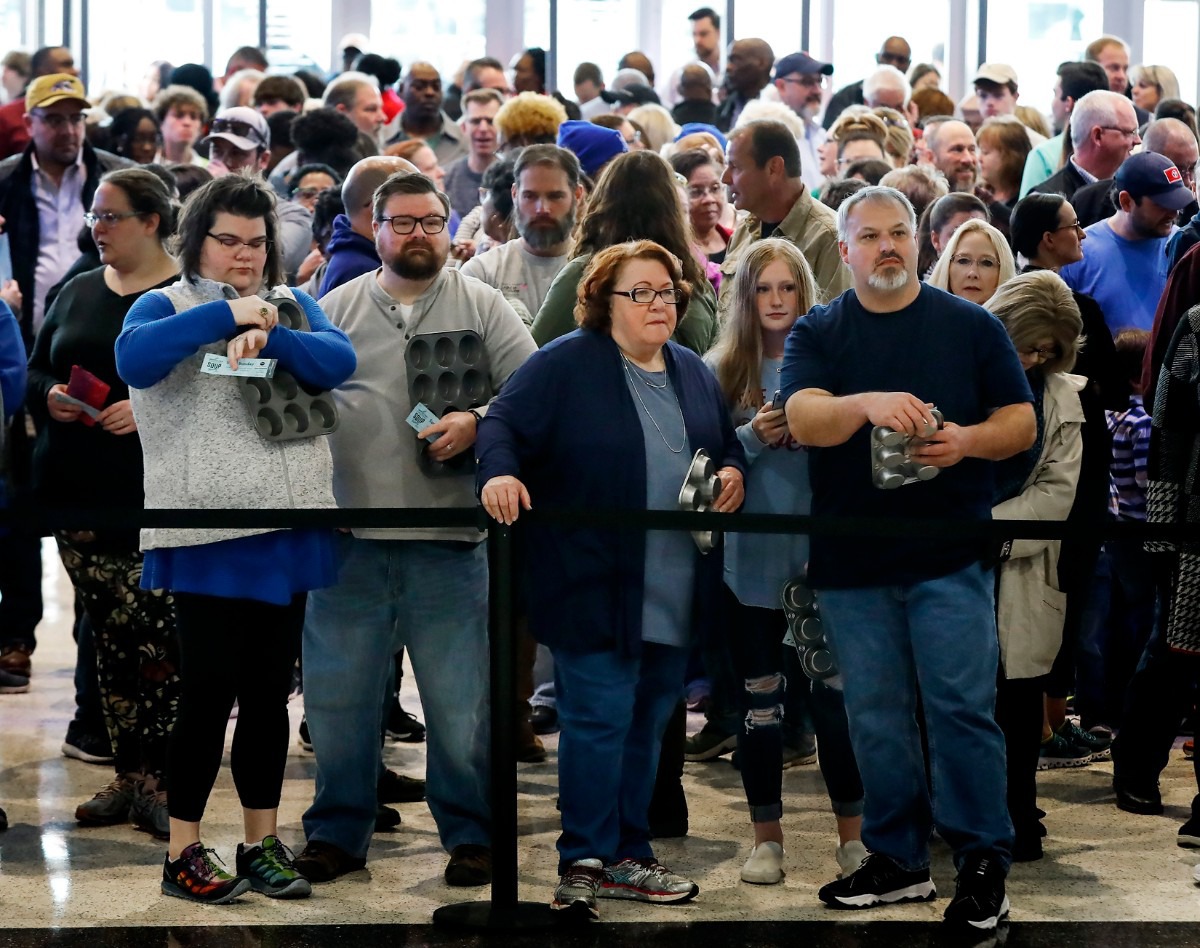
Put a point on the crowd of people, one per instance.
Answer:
(740, 261)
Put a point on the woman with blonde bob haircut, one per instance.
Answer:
(977, 261)
(1151, 84)
(610, 416)
(1043, 322)
(773, 288)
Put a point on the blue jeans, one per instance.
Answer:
(430, 598)
(938, 635)
(612, 711)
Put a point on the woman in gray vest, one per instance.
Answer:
(239, 593)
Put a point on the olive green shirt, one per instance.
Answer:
(812, 227)
(697, 329)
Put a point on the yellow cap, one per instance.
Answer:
(59, 87)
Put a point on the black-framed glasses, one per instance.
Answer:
(107, 218)
(1035, 352)
(645, 294)
(403, 224)
(230, 242)
(236, 127)
(58, 121)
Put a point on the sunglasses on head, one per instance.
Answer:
(236, 127)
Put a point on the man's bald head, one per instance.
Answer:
(1172, 139)
(696, 81)
(748, 68)
(359, 188)
(895, 51)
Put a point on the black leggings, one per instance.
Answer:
(232, 649)
(1019, 714)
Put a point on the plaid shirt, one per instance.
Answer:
(1130, 449)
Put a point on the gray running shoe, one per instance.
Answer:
(578, 888)
(111, 805)
(645, 880)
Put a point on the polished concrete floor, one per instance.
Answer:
(1121, 877)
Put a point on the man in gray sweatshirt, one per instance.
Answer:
(424, 589)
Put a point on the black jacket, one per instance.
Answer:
(1065, 181)
(694, 110)
(19, 210)
(842, 99)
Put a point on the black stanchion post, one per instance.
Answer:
(504, 911)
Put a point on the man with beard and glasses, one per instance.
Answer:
(546, 194)
(424, 118)
(1124, 265)
(919, 609)
(800, 80)
(424, 589)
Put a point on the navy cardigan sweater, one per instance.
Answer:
(566, 425)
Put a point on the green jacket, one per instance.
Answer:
(697, 329)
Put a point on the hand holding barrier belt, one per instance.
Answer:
(504, 911)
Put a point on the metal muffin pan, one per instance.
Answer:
(282, 409)
(447, 371)
(805, 632)
(700, 491)
(891, 463)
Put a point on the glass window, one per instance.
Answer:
(235, 24)
(676, 37)
(444, 34)
(12, 26)
(300, 42)
(925, 24)
(1034, 36)
(537, 26)
(122, 47)
(1170, 40)
(780, 25)
(597, 31)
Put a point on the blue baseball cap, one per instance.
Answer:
(1147, 175)
(695, 128)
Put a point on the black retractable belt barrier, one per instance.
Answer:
(504, 911)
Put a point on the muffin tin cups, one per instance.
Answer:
(700, 491)
(805, 632)
(891, 463)
(281, 409)
(447, 371)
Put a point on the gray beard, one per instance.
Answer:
(543, 238)
(881, 281)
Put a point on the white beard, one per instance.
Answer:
(882, 281)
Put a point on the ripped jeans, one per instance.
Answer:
(755, 638)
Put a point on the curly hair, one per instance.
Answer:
(657, 215)
(328, 137)
(177, 96)
(530, 119)
(593, 306)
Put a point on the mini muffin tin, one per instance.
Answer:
(805, 632)
(892, 465)
(447, 371)
(700, 491)
(282, 409)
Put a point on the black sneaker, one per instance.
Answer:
(90, 748)
(402, 726)
(878, 881)
(1189, 833)
(979, 900)
(304, 740)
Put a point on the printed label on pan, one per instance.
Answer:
(214, 364)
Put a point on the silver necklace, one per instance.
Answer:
(666, 382)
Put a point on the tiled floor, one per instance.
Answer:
(1101, 865)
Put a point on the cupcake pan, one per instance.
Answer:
(891, 463)
(447, 372)
(805, 633)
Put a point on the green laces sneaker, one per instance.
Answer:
(270, 868)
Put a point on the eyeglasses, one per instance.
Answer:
(644, 294)
(238, 128)
(1074, 225)
(308, 193)
(1125, 132)
(698, 192)
(229, 242)
(432, 224)
(58, 121)
(969, 263)
(811, 81)
(107, 218)
(1041, 354)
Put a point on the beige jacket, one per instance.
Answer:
(812, 227)
(1030, 608)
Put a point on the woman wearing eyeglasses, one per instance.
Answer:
(1044, 325)
(239, 593)
(976, 262)
(705, 202)
(94, 460)
(609, 416)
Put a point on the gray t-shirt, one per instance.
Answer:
(522, 277)
(462, 186)
(670, 554)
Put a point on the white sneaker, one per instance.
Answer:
(765, 865)
(1195, 872)
(850, 857)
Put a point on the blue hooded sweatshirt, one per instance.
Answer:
(350, 255)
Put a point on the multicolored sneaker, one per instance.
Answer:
(578, 887)
(270, 869)
(198, 875)
(645, 880)
(1097, 742)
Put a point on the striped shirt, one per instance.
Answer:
(1131, 447)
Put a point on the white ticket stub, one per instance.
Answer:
(421, 418)
(214, 364)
